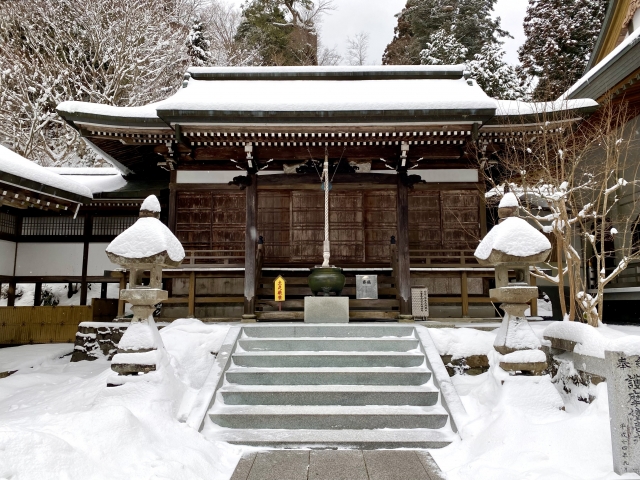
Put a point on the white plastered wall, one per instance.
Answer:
(49, 259)
(7, 257)
(98, 260)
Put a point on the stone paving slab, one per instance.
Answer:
(338, 465)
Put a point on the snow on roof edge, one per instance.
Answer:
(14, 164)
(630, 41)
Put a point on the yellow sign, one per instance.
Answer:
(279, 288)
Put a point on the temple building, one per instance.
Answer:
(235, 157)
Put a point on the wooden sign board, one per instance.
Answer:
(279, 289)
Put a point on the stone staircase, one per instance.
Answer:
(351, 386)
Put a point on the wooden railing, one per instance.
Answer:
(213, 257)
(445, 258)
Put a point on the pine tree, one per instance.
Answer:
(560, 35)
(469, 21)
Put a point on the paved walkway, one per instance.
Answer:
(338, 465)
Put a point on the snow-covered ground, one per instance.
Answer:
(58, 419)
(30, 356)
(516, 429)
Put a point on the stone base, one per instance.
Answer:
(406, 319)
(532, 368)
(326, 309)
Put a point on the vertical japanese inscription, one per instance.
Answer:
(623, 387)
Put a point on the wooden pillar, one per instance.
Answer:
(11, 297)
(250, 249)
(464, 290)
(172, 201)
(37, 295)
(403, 278)
(103, 290)
(88, 226)
(192, 294)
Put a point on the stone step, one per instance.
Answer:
(328, 417)
(345, 395)
(329, 344)
(329, 376)
(328, 359)
(363, 439)
(329, 330)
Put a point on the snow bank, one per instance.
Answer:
(145, 238)
(14, 164)
(594, 341)
(517, 430)
(462, 342)
(193, 345)
(514, 236)
(29, 356)
(61, 421)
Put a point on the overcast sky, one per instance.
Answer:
(376, 17)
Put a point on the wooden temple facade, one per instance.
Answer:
(235, 156)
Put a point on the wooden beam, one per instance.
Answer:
(403, 279)
(192, 294)
(88, 227)
(464, 289)
(250, 247)
(172, 201)
(37, 295)
(11, 296)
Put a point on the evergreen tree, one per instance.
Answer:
(560, 36)
(497, 78)
(282, 31)
(198, 45)
(443, 48)
(468, 21)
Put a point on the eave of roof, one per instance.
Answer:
(613, 69)
(611, 21)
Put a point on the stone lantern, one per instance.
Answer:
(147, 245)
(514, 245)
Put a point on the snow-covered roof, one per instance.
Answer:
(98, 180)
(517, 108)
(402, 93)
(388, 94)
(20, 168)
(614, 68)
(328, 95)
(514, 236)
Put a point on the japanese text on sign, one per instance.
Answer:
(279, 289)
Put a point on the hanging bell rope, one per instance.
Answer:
(326, 255)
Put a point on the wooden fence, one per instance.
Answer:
(23, 325)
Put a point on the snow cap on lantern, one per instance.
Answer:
(513, 240)
(147, 242)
